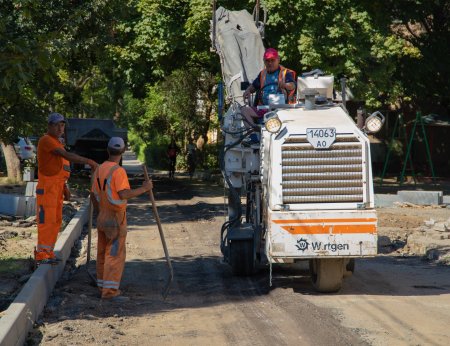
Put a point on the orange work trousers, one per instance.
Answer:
(111, 255)
(49, 198)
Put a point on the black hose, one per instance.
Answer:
(235, 196)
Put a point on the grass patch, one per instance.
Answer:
(7, 181)
(13, 265)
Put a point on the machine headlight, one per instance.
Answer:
(273, 125)
(374, 122)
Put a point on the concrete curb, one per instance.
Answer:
(18, 319)
(417, 197)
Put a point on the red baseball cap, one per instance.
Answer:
(270, 53)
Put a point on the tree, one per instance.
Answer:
(26, 64)
(49, 55)
(340, 37)
(424, 26)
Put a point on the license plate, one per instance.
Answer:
(321, 138)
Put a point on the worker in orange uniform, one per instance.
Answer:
(53, 172)
(110, 191)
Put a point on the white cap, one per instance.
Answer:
(116, 143)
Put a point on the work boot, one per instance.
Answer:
(52, 261)
(118, 299)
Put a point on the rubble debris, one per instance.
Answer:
(8, 235)
(430, 222)
(442, 226)
(7, 217)
(412, 205)
(31, 219)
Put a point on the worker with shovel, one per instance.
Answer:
(110, 192)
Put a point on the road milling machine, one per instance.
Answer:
(306, 179)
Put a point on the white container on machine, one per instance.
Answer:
(323, 85)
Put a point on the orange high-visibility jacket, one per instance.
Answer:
(53, 172)
(289, 96)
(109, 178)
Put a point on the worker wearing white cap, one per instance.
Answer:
(53, 172)
(110, 191)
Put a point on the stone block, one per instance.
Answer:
(28, 173)
(30, 207)
(385, 200)
(30, 190)
(421, 197)
(9, 204)
(17, 205)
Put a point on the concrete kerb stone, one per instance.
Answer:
(18, 319)
(385, 200)
(421, 197)
(414, 197)
(446, 199)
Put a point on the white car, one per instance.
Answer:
(25, 150)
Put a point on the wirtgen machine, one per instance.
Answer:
(307, 181)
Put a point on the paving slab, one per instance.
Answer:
(18, 319)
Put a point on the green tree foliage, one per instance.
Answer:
(180, 108)
(148, 64)
(26, 67)
(424, 27)
(150, 41)
(340, 37)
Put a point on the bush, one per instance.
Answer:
(155, 154)
(211, 157)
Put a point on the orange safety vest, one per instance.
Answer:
(289, 96)
(112, 212)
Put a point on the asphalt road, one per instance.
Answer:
(388, 301)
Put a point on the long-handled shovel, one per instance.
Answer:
(161, 234)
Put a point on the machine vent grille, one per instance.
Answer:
(334, 175)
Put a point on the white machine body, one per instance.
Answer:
(316, 182)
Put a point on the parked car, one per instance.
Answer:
(25, 150)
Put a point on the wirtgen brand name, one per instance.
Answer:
(302, 245)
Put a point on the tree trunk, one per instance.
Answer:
(12, 162)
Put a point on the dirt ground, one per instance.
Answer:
(18, 237)
(395, 298)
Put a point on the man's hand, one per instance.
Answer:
(287, 86)
(66, 193)
(147, 185)
(248, 92)
(93, 164)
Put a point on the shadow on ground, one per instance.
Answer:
(206, 281)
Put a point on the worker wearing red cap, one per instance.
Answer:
(53, 172)
(110, 191)
(273, 79)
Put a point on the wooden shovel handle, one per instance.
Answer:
(161, 234)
